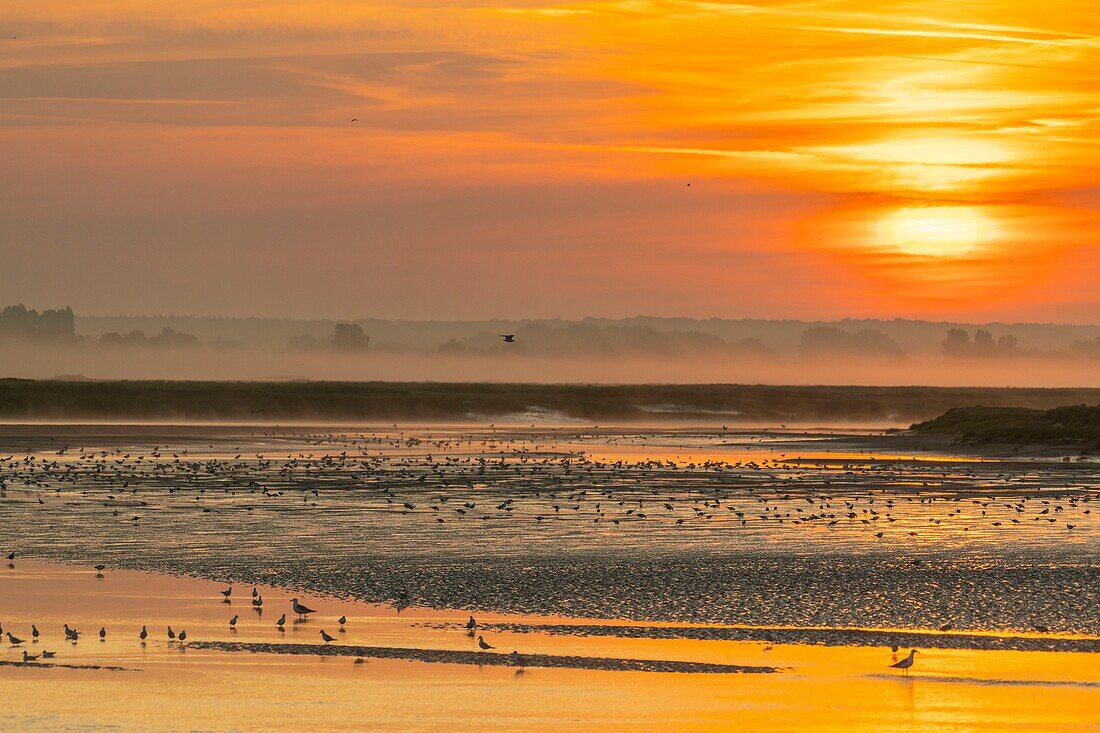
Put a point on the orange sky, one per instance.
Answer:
(518, 158)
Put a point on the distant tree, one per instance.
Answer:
(1007, 345)
(828, 340)
(957, 343)
(49, 325)
(984, 345)
(350, 337)
(169, 337)
(1089, 349)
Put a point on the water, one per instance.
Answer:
(770, 529)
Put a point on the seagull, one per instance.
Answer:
(29, 658)
(48, 655)
(299, 608)
(281, 621)
(183, 635)
(171, 634)
(102, 633)
(326, 637)
(15, 640)
(34, 633)
(509, 338)
(144, 634)
(484, 644)
(906, 663)
(233, 622)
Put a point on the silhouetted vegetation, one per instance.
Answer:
(345, 337)
(831, 341)
(48, 325)
(167, 338)
(366, 401)
(1074, 425)
(984, 346)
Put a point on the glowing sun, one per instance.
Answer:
(934, 231)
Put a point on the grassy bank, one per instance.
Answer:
(704, 404)
(1072, 425)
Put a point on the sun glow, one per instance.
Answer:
(939, 231)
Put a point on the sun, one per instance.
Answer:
(934, 231)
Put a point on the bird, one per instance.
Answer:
(299, 608)
(11, 555)
(183, 635)
(144, 634)
(281, 621)
(354, 120)
(484, 644)
(34, 633)
(342, 620)
(906, 663)
(255, 593)
(326, 637)
(100, 567)
(29, 658)
(15, 640)
(508, 338)
(171, 634)
(48, 655)
(471, 624)
(233, 622)
(102, 633)
(227, 592)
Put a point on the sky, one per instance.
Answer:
(528, 159)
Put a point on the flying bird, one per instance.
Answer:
(508, 338)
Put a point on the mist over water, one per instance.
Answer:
(208, 363)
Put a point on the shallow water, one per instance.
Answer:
(760, 528)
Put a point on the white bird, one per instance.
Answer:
(906, 663)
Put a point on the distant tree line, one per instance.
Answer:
(346, 337)
(48, 325)
(167, 338)
(983, 346)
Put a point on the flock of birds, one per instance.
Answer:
(488, 478)
(297, 608)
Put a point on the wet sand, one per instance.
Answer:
(648, 578)
(257, 678)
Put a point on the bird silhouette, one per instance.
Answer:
(906, 663)
(484, 644)
(300, 609)
(326, 637)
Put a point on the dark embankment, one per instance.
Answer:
(432, 401)
(1077, 425)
